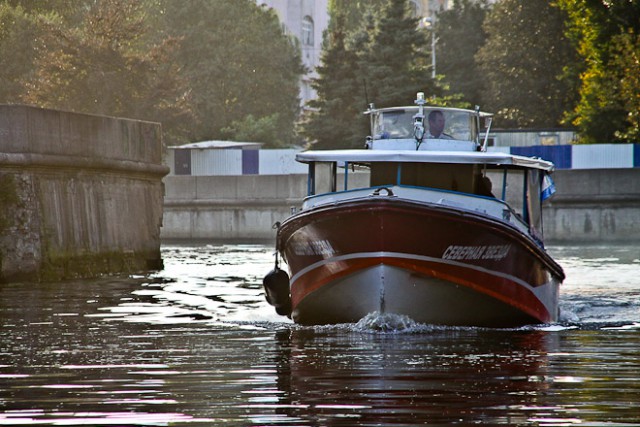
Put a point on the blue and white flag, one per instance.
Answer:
(548, 187)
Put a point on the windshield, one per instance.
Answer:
(438, 123)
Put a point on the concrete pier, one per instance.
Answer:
(81, 195)
(590, 206)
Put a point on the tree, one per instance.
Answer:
(397, 62)
(384, 61)
(104, 66)
(334, 113)
(20, 35)
(460, 36)
(69, 10)
(626, 59)
(606, 33)
(238, 63)
(523, 60)
(352, 12)
(256, 129)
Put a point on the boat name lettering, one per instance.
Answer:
(493, 252)
(319, 247)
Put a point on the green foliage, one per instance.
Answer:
(626, 59)
(104, 66)
(20, 35)
(238, 63)
(250, 129)
(334, 116)
(69, 11)
(385, 60)
(197, 66)
(8, 201)
(351, 12)
(523, 60)
(606, 35)
(397, 62)
(460, 35)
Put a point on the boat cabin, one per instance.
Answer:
(443, 129)
(447, 165)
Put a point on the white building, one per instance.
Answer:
(306, 20)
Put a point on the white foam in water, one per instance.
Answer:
(386, 322)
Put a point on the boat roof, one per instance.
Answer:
(203, 145)
(429, 107)
(397, 156)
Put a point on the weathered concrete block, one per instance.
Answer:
(217, 187)
(601, 205)
(13, 129)
(180, 187)
(88, 199)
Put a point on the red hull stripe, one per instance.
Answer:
(502, 287)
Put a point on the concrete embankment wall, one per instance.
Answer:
(81, 195)
(229, 207)
(590, 206)
(594, 205)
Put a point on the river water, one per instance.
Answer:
(196, 344)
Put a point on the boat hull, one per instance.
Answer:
(435, 264)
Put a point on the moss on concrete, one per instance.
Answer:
(73, 266)
(8, 201)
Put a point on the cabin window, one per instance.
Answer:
(322, 177)
(508, 185)
(462, 178)
(398, 123)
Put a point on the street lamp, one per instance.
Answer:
(428, 23)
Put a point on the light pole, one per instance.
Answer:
(428, 23)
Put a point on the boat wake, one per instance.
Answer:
(222, 286)
(386, 322)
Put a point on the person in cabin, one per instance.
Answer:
(484, 186)
(436, 126)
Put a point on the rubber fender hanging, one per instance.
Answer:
(276, 287)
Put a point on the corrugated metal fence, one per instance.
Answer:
(596, 156)
(214, 162)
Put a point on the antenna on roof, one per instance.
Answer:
(366, 94)
(418, 120)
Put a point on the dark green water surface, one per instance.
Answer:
(196, 344)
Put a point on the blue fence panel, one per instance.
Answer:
(250, 162)
(560, 155)
(636, 155)
(182, 162)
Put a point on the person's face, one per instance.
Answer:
(436, 124)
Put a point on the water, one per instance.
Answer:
(196, 344)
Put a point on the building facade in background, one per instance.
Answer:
(307, 19)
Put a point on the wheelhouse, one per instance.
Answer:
(512, 187)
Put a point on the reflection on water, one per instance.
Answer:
(196, 344)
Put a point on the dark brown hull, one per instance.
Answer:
(434, 264)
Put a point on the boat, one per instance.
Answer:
(425, 222)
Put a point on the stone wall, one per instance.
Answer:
(81, 195)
